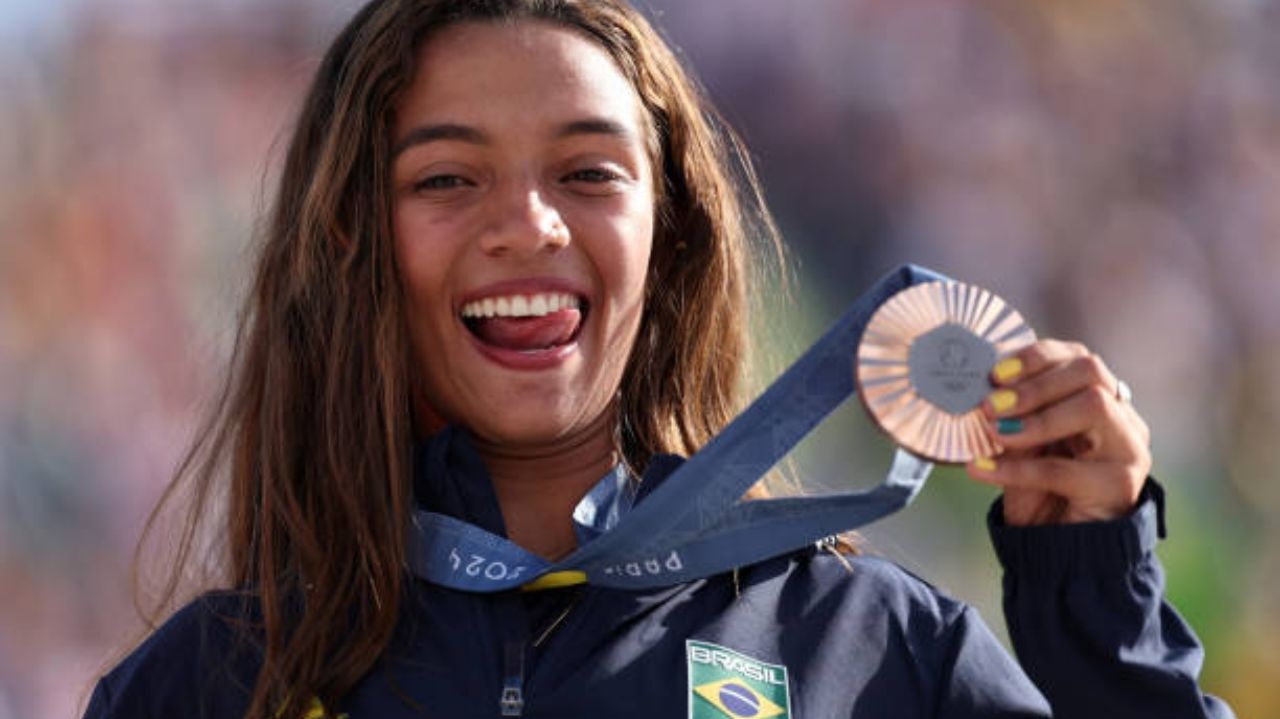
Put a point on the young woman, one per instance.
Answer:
(509, 258)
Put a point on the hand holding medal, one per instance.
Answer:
(955, 375)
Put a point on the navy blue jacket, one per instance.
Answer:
(811, 635)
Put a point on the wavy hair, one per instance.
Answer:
(310, 448)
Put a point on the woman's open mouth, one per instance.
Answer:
(526, 323)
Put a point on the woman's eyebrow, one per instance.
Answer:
(596, 126)
(423, 134)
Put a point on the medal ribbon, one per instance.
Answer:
(694, 524)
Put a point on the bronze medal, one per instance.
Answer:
(924, 362)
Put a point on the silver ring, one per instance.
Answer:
(1123, 392)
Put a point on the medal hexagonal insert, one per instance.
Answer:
(949, 367)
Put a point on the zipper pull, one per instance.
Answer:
(512, 699)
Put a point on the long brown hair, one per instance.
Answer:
(312, 437)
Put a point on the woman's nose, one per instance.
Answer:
(524, 222)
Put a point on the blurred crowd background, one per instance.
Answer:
(1110, 167)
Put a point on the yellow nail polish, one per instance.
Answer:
(986, 464)
(1003, 400)
(1007, 368)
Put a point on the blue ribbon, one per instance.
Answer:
(694, 524)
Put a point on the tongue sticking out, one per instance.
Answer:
(528, 333)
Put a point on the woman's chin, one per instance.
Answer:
(540, 429)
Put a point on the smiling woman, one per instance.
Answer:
(502, 289)
(523, 177)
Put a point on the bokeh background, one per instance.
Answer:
(1110, 167)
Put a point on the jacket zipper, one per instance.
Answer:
(514, 626)
(512, 700)
(514, 621)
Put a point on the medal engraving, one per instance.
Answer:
(948, 367)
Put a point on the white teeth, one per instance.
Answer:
(520, 305)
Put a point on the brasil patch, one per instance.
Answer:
(724, 683)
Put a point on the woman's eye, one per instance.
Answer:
(440, 182)
(593, 175)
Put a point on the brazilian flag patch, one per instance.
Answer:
(724, 683)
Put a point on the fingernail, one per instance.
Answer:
(986, 464)
(1007, 368)
(1008, 425)
(1003, 400)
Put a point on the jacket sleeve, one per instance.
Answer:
(192, 666)
(99, 703)
(981, 680)
(1086, 612)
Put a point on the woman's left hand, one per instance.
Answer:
(1075, 450)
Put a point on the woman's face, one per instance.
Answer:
(523, 219)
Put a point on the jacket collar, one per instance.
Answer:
(450, 478)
